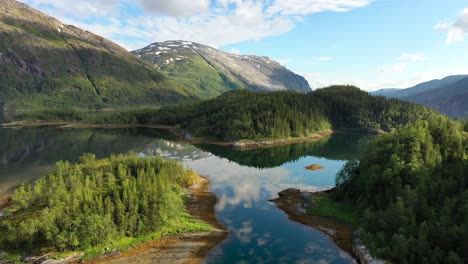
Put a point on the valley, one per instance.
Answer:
(233, 132)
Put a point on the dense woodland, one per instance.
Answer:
(412, 186)
(95, 202)
(248, 115)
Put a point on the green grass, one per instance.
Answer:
(11, 258)
(343, 212)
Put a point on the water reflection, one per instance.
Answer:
(243, 181)
(348, 144)
(27, 154)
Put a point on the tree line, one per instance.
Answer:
(243, 114)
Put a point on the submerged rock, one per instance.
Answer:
(315, 167)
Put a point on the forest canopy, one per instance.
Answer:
(95, 202)
(412, 186)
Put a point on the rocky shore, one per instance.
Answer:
(299, 205)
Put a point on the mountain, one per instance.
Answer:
(422, 87)
(213, 71)
(44, 63)
(448, 95)
(451, 99)
(386, 92)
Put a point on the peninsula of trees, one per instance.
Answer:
(97, 203)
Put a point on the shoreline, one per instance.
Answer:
(292, 202)
(179, 133)
(299, 208)
(190, 248)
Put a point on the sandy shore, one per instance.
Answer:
(187, 248)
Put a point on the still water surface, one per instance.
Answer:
(243, 181)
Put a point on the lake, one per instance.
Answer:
(243, 180)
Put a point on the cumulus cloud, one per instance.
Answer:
(176, 8)
(455, 31)
(214, 30)
(306, 7)
(215, 23)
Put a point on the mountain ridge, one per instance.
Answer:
(258, 73)
(45, 63)
(448, 95)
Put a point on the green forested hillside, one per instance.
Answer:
(412, 186)
(249, 115)
(97, 203)
(45, 64)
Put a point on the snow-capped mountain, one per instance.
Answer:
(215, 71)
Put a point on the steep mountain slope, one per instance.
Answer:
(44, 63)
(450, 99)
(422, 87)
(213, 71)
(448, 95)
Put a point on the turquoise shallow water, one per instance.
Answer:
(243, 181)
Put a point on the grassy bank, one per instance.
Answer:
(326, 206)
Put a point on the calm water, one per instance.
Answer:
(243, 181)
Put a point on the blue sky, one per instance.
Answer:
(370, 43)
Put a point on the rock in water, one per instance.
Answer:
(289, 192)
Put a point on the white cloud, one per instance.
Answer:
(79, 9)
(442, 26)
(176, 8)
(403, 62)
(214, 30)
(209, 22)
(455, 31)
(306, 7)
(235, 51)
(413, 56)
(388, 80)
